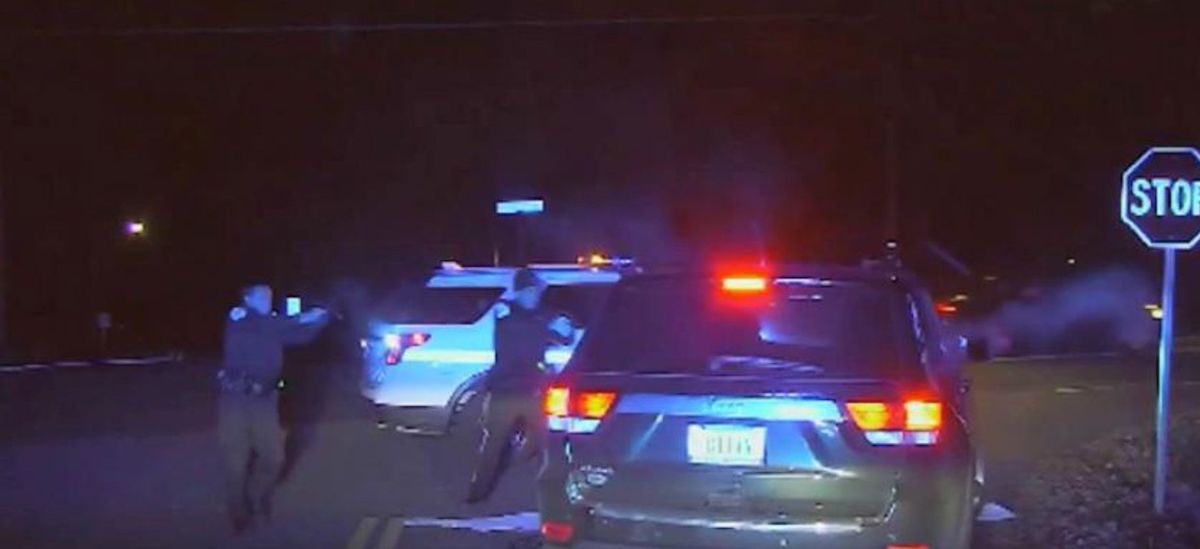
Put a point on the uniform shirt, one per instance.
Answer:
(254, 344)
(522, 336)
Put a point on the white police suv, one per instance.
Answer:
(426, 353)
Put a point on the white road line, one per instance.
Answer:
(391, 534)
(1067, 390)
(362, 535)
(515, 522)
(1038, 358)
(72, 363)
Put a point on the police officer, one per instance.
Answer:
(247, 407)
(514, 383)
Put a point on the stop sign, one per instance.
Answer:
(1160, 197)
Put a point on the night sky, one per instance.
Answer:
(302, 156)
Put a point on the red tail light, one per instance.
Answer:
(595, 405)
(946, 309)
(915, 421)
(870, 416)
(922, 415)
(557, 402)
(744, 284)
(560, 402)
(557, 532)
(576, 412)
(395, 345)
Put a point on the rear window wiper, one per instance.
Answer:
(717, 363)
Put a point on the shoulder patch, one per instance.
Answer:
(502, 310)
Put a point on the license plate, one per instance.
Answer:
(726, 444)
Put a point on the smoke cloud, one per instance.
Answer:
(1100, 310)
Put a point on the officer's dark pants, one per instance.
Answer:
(505, 412)
(249, 425)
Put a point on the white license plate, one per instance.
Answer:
(726, 444)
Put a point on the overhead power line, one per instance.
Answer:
(433, 26)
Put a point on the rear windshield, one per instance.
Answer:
(423, 305)
(805, 327)
(582, 301)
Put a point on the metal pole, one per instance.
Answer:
(1164, 382)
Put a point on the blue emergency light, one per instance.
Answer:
(292, 306)
(520, 207)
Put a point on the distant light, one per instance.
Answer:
(1155, 311)
(1070, 261)
(518, 207)
(744, 284)
(959, 298)
(292, 306)
(597, 259)
(990, 278)
(135, 228)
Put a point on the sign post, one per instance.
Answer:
(517, 208)
(1160, 201)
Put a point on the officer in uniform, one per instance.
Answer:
(515, 382)
(248, 404)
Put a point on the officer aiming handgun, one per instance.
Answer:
(248, 405)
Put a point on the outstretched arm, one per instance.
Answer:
(302, 328)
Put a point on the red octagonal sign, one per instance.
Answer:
(1160, 197)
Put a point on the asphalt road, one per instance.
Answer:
(126, 456)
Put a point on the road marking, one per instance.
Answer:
(1067, 390)
(362, 535)
(1103, 387)
(391, 535)
(1040, 358)
(515, 522)
(994, 512)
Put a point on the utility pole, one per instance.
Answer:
(892, 105)
(3, 271)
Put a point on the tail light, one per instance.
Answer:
(750, 284)
(911, 422)
(395, 344)
(557, 532)
(576, 412)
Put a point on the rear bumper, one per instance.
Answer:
(417, 384)
(930, 508)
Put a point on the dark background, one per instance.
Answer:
(256, 148)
